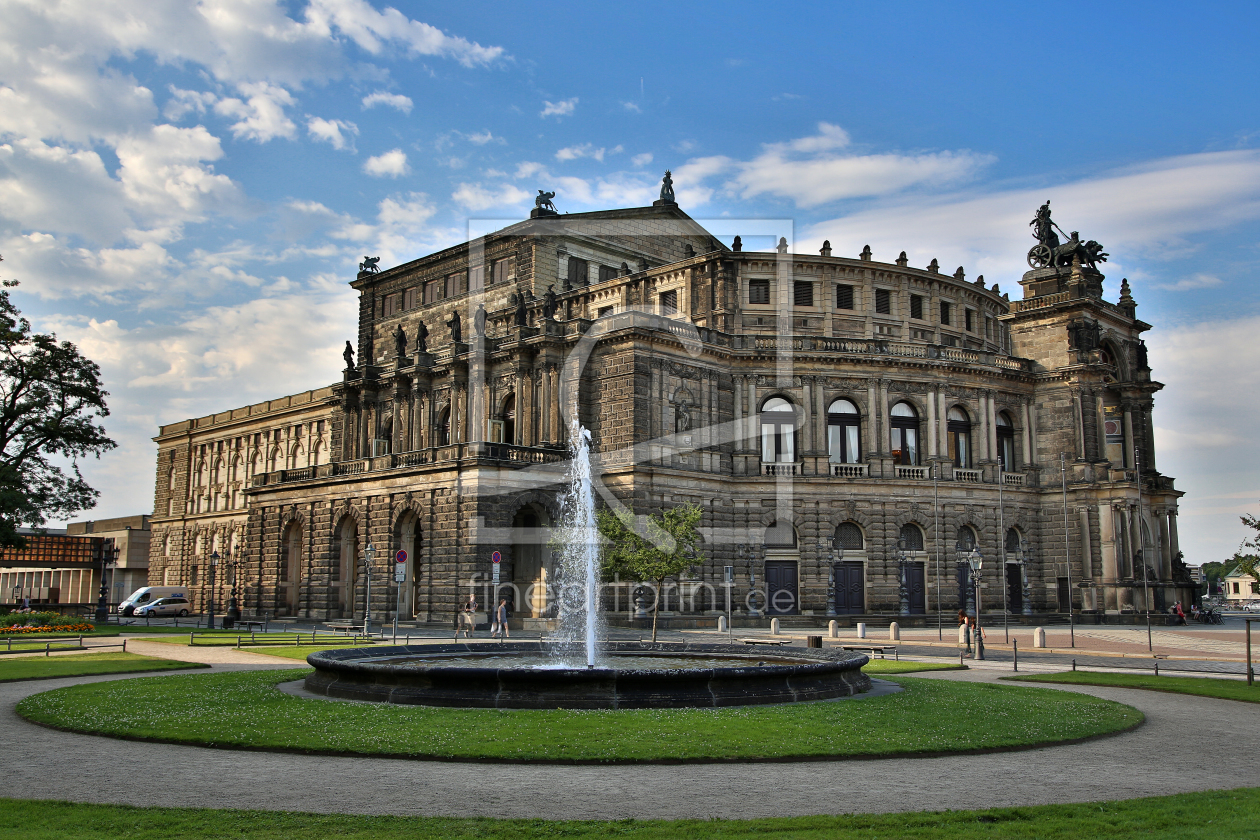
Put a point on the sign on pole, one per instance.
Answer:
(401, 556)
(400, 575)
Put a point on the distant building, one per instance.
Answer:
(62, 567)
(850, 427)
(1241, 587)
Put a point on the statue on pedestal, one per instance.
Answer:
(348, 355)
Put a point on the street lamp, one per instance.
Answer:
(109, 558)
(963, 549)
(831, 577)
(903, 571)
(214, 564)
(369, 554)
(1025, 555)
(976, 562)
(234, 610)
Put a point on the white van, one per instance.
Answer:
(148, 594)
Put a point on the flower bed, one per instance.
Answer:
(27, 629)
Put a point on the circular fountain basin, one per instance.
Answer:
(631, 675)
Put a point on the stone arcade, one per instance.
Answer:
(849, 426)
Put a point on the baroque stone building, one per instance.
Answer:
(850, 428)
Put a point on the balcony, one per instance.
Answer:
(1014, 479)
(477, 451)
(850, 470)
(780, 469)
(975, 476)
(916, 473)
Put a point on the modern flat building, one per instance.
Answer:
(852, 429)
(62, 567)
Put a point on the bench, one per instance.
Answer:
(880, 651)
(344, 627)
(775, 642)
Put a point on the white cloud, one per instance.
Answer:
(1198, 281)
(585, 150)
(632, 107)
(528, 169)
(261, 116)
(390, 100)
(481, 138)
(642, 159)
(339, 133)
(559, 109)
(392, 164)
(184, 102)
(372, 30)
(476, 197)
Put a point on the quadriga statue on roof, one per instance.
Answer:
(1050, 252)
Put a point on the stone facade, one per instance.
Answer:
(912, 406)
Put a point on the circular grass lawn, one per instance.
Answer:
(245, 710)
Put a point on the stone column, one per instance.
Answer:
(739, 417)
(1101, 426)
(1128, 437)
(886, 420)
(990, 419)
(1087, 548)
(1148, 448)
(942, 425)
(807, 418)
(1107, 530)
(754, 426)
(1125, 564)
(1027, 437)
(519, 431)
(1174, 547)
(820, 428)
(1165, 549)
(557, 435)
(933, 437)
(395, 430)
(544, 414)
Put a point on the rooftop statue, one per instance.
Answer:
(667, 187)
(543, 201)
(1050, 252)
(348, 355)
(369, 264)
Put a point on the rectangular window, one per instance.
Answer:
(431, 292)
(949, 341)
(970, 318)
(577, 272)
(758, 291)
(393, 305)
(192, 577)
(944, 313)
(844, 297)
(669, 302)
(411, 298)
(501, 271)
(883, 302)
(803, 293)
(604, 311)
(607, 272)
(453, 285)
(476, 278)
(916, 307)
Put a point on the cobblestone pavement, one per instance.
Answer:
(1126, 766)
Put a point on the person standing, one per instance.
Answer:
(500, 628)
(466, 624)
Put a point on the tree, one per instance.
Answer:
(1247, 562)
(50, 401)
(665, 546)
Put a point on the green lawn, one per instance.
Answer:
(1200, 686)
(245, 709)
(1221, 815)
(84, 664)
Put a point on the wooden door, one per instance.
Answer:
(917, 586)
(1014, 588)
(850, 589)
(781, 587)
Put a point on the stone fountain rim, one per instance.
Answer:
(358, 660)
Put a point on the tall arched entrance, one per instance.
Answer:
(291, 567)
(530, 594)
(345, 565)
(407, 538)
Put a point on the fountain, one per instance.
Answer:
(574, 669)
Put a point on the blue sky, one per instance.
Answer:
(185, 187)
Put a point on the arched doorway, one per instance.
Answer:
(345, 565)
(291, 567)
(1014, 571)
(529, 595)
(910, 540)
(782, 570)
(963, 544)
(850, 572)
(407, 538)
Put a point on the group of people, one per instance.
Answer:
(465, 622)
(968, 631)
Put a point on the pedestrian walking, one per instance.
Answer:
(465, 618)
(500, 627)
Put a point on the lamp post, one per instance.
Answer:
(369, 554)
(976, 561)
(214, 564)
(831, 582)
(903, 573)
(1025, 554)
(109, 558)
(963, 548)
(234, 609)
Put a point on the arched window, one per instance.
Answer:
(848, 537)
(778, 431)
(911, 537)
(958, 428)
(905, 434)
(843, 439)
(509, 419)
(1006, 441)
(780, 535)
(443, 429)
(1013, 540)
(966, 538)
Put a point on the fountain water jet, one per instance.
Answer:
(580, 627)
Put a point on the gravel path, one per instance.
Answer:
(1131, 765)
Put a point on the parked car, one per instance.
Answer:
(164, 606)
(146, 595)
(1254, 606)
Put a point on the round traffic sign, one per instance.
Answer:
(496, 558)
(401, 556)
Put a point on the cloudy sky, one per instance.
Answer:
(185, 187)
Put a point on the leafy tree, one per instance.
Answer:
(1247, 562)
(664, 547)
(50, 401)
